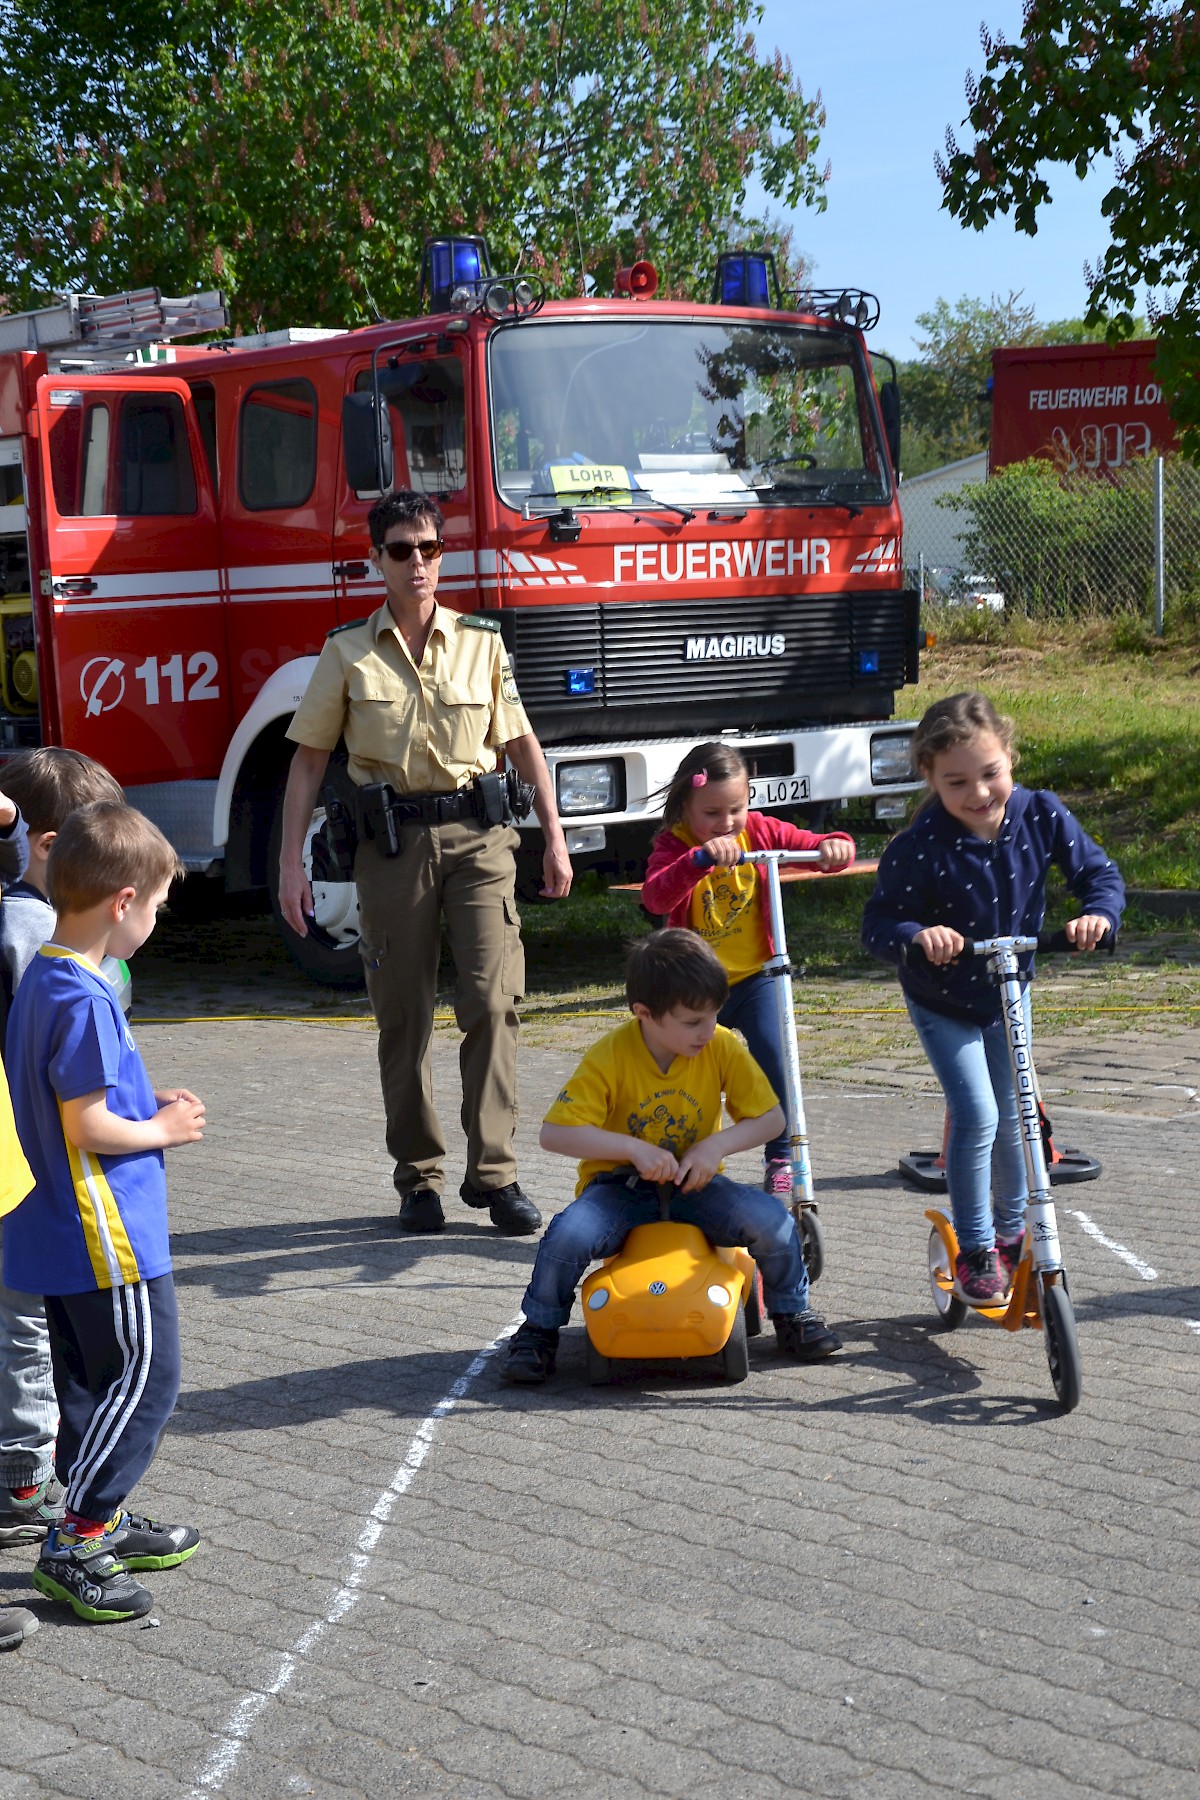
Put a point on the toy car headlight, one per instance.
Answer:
(597, 1298)
(719, 1296)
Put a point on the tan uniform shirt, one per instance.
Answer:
(427, 730)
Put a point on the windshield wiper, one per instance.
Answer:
(822, 496)
(638, 499)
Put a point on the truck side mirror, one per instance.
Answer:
(889, 404)
(367, 442)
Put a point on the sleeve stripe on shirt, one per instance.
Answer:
(109, 1249)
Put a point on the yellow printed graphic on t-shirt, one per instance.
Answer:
(619, 1087)
(726, 911)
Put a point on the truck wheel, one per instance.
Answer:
(329, 952)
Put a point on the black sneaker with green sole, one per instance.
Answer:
(145, 1544)
(84, 1574)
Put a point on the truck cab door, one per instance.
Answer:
(133, 593)
(432, 444)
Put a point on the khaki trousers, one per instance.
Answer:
(463, 873)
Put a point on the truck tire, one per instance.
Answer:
(328, 953)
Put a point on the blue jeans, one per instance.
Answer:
(751, 1009)
(984, 1148)
(28, 1408)
(597, 1224)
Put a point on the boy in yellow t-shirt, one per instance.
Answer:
(643, 1107)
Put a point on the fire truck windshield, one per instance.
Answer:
(713, 413)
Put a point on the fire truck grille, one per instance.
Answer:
(611, 668)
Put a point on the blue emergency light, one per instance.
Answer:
(868, 662)
(449, 263)
(581, 681)
(745, 278)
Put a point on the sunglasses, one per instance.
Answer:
(400, 553)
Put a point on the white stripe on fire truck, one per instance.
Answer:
(128, 585)
(159, 604)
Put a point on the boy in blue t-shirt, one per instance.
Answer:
(650, 1098)
(92, 1236)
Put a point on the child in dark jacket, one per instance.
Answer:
(973, 864)
(695, 878)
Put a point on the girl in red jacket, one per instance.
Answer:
(695, 879)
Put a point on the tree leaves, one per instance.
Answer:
(1093, 78)
(299, 157)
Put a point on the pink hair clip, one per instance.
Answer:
(700, 778)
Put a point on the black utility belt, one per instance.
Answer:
(375, 813)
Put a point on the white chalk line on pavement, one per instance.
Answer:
(1127, 1256)
(224, 1758)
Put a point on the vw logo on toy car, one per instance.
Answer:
(102, 685)
(658, 1287)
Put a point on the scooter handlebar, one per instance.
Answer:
(764, 856)
(1049, 943)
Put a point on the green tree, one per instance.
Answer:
(299, 156)
(1091, 78)
(947, 413)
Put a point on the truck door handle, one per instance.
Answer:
(352, 571)
(69, 585)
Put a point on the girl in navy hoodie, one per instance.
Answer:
(695, 879)
(973, 864)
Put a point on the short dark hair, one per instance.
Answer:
(48, 783)
(404, 506)
(103, 848)
(673, 968)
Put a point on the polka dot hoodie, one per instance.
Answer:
(938, 873)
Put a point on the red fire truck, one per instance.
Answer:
(683, 516)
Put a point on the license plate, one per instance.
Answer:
(779, 790)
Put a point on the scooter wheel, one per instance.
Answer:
(1062, 1345)
(599, 1367)
(950, 1309)
(735, 1357)
(812, 1242)
(753, 1307)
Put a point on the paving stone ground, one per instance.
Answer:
(902, 1572)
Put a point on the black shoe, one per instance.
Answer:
(422, 1211)
(95, 1584)
(531, 1356)
(513, 1213)
(804, 1335)
(145, 1544)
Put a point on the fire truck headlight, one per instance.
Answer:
(589, 787)
(891, 757)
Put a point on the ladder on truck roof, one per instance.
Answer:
(113, 321)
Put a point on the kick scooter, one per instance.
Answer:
(804, 1207)
(1039, 1288)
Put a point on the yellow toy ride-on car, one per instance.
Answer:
(670, 1295)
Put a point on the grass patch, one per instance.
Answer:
(1115, 732)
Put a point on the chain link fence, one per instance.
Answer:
(1048, 545)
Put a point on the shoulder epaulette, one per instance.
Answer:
(479, 621)
(349, 626)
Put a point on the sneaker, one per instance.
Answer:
(778, 1179)
(1008, 1256)
(977, 1278)
(145, 1544)
(85, 1575)
(16, 1624)
(422, 1211)
(29, 1521)
(804, 1335)
(531, 1356)
(513, 1213)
